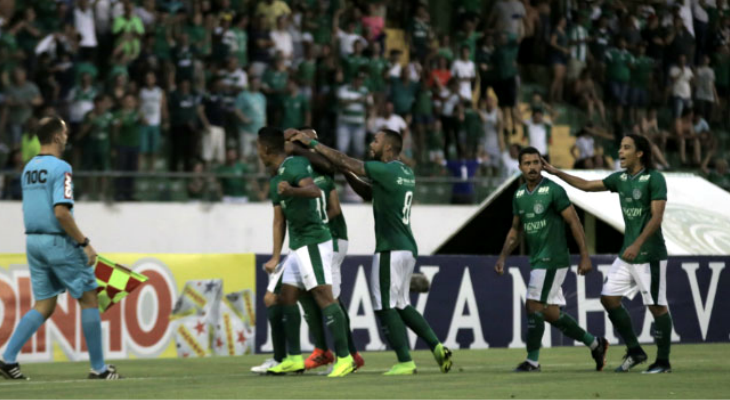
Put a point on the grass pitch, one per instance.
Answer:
(700, 371)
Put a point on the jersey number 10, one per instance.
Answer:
(322, 207)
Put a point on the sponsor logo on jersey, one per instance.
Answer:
(624, 177)
(539, 208)
(632, 212)
(520, 193)
(535, 226)
(281, 170)
(644, 178)
(543, 190)
(406, 181)
(637, 194)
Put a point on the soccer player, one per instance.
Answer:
(59, 255)
(541, 209)
(391, 191)
(642, 262)
(297, 202)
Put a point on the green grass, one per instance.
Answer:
(700, 371)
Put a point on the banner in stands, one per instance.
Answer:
(470, 307)
(140, 325)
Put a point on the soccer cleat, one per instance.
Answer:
(442, 354)
(290, 364)
(12, 371)
(404, 368)
(343, 366)
(599, 353)
(527, 367)
(632, 359)
(359, 361)
(261, 369)
(659, 367)
(318, 358)
(110, 374)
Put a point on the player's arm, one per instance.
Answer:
(571, 218)
(510, 244)
(306, 188)
(279, 234)
(318, 161)
(362, 188)
(339, 159)
(576, 182)
(657, 216)
(333, 205)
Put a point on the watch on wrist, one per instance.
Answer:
(84, 243)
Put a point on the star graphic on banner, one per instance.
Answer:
(241, 339)
(200, 327)
(233, 297)
(209, 286)
(219, 342)
(178, 345)
(185, 355)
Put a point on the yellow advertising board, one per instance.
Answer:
(139, 326)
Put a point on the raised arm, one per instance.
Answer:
(306, 189)
(318, 161)
(657, 216)
(339, 159)
(512, 241)
(571, 218)
(362, 188)
(576, 182)
(279, 234)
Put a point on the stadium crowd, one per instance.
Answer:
(181, 85)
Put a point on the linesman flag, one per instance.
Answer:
(115, 282)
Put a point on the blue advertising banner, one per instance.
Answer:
(470, 306)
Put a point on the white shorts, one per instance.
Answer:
(390, 279)
(214, 144)
(313, 266)
(275, 277)
(546, 286)
(337, 259)
(626, 280)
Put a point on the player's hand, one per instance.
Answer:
(270, 265)
(301, 138)
(585, 266)
(283, 188)
(548, 168)
(90, 254)
(499, 267)
(289, 147)
(290, 133)
(631, 252)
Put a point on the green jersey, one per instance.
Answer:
(636, 194)
(539, 212)
(618, 65)
(641, 76)
(393, 188)
(295, 111)
(234, 187)
(129, 125)
(100, 126)
(303, 215)
(337, 225)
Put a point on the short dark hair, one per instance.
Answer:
(395, 139)
(527, 150)
(272, 138)
(643, 145)
(49, 127)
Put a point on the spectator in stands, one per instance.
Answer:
(618, 75)
(127, 126)
(583, 150)
(649, 127)
(680, 42)
(721, 65)
(423, 118)
(578, 40)
(283, 41)
(296, 108)
(211, 113)
(373, 24)
(233, 189)
(700, 21)
(403, 94)
(354, 63)
(86, 27)
(199, 187)
(720, 176)
(471, 130)
(236, 39)
(450, 103)
(128, 29)
(234, 77)
(250, 109)
(558, 59)
(30, 145)
(20, 98)
(485, 64)
(94, 139)
(184, 58)
(538, 131)
(507, 16)
(271, 10)
(705, 92)
(467, 36)
(12, 188)
(587, 96)
(464, 70)
(388, 119)
(153, 106)
(686, 133)
(465, 169)
(491, 116)
(81, 100)
(420, 33)
(441, 75)
(641, 82)
(682, 77)
(707, 141)
(348, 37)
(435, 142)
(510, 159)
(444, 48)
(601, 36)
(353, 99)
(377, 68)
(274, 85)
(506, 86)
(261, 45)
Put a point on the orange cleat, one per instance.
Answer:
(318, 358)
(359, 362)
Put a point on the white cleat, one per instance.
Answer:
(261, 369)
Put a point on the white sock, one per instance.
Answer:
(594, 344)
(533, 363)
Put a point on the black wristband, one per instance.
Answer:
(84, 243)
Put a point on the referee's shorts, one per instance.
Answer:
(57, 265)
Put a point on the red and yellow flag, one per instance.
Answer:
(115, 282)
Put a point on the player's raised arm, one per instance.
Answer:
(306, 188)
(318, 161)
(279, 234)
(572, 180)
(513, 239)
(362, 188)
(571, 218)
(339, 159)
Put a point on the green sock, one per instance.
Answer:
(621, 320)
(278, 333)
(415, 321)
(535, 330)
(571, 329)
(313, 315)
(395, 333)
(350, 340)
(663, 336)
(335, 321)
(292, 324)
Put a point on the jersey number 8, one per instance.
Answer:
(407, 208)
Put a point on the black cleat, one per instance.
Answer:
(527, 367)
(12, 371)
(659, 367)
(599, 354)
(110, 374)
(632, 359)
